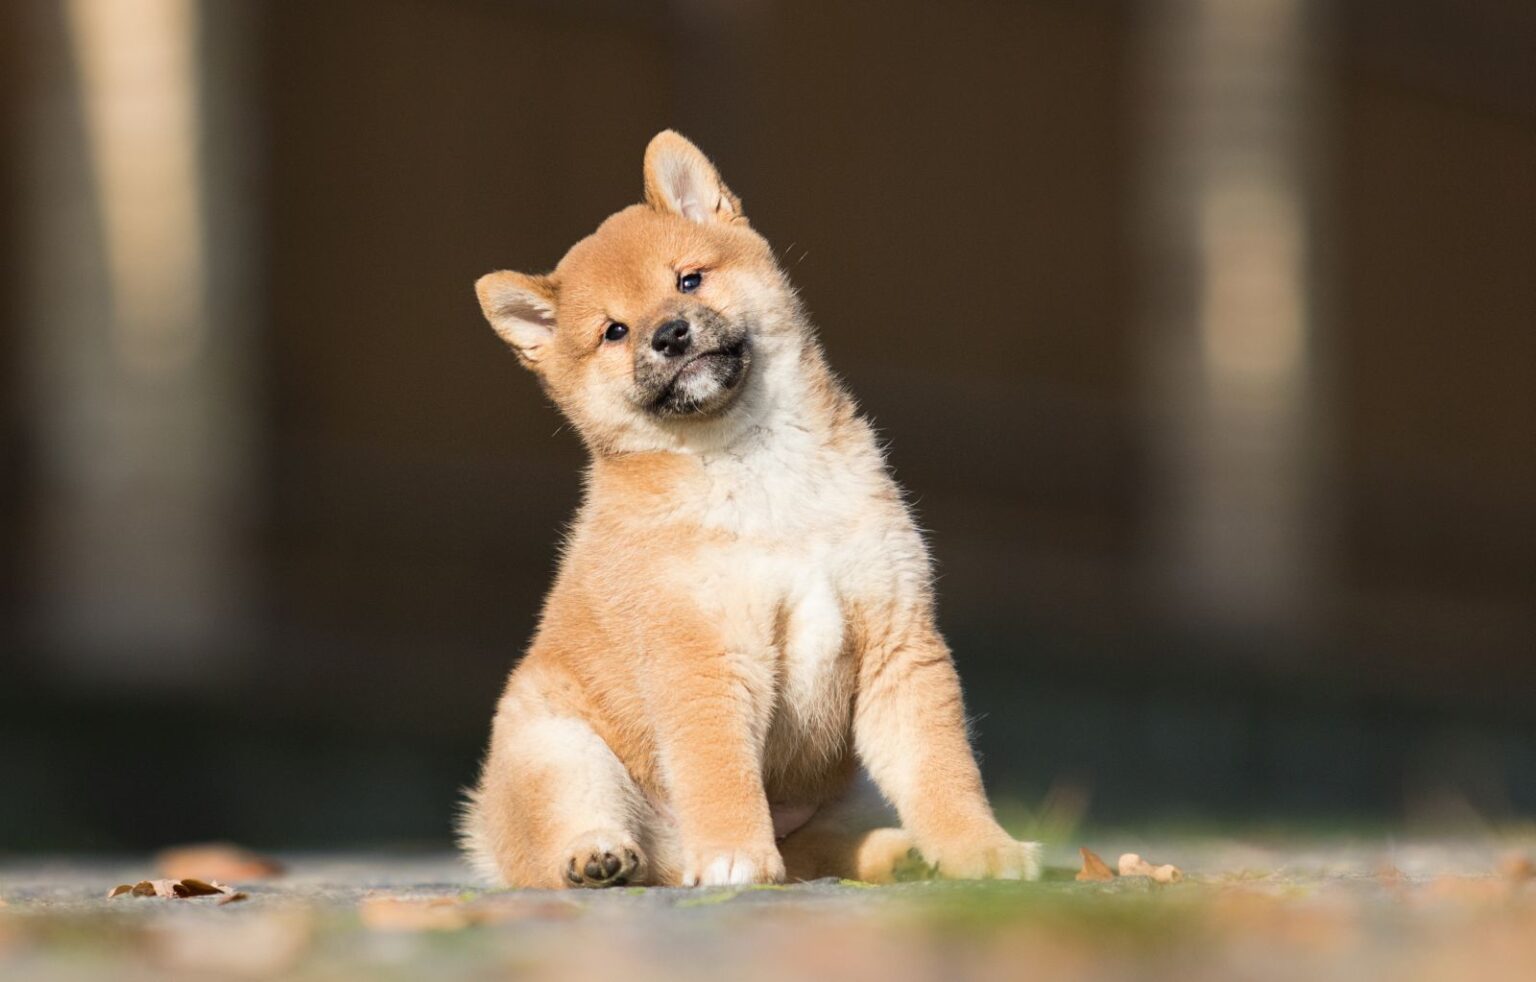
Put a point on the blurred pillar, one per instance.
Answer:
(1231, 375)
(139, 378)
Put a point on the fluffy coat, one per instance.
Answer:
(739, 647)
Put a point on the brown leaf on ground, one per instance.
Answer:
(385, 913)
(216, 861)
(502, 910)
(1516, 867)
(1133, 865)
(258, 945)
(1465, 891)
(403, 914)
(1319, 923)
(173, 890)
(1094, 870)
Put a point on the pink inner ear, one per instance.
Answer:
(682, 185)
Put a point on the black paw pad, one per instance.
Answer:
(602, 868)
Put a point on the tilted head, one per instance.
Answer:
(661, 329)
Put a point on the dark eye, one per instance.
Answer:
(689, 282)
(615, 332)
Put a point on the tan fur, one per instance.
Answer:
(742, 625)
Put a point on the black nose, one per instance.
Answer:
(671, 338)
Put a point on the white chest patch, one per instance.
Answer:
(814, 673)
(812, 535)
(813, 640)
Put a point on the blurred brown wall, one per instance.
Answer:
(953, 214)
(1434, 182)
(958, 215)
(957, 190)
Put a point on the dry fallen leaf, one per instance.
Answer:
(1094, 870)
(1516, 867)
(1318, 923)
(175, 890)
(503, 910)
(261, 944)
(1133, 865)
(216, 861)
(385, 913)
(1465, 891)
(396, 914)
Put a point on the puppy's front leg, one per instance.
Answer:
(711, 720)
(909, 729)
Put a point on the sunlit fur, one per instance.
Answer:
(739, 647)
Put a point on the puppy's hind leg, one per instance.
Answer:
(854, 837)
(555, 808)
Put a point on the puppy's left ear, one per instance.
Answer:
(681, 180)
(522, 310)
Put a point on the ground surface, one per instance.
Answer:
(1442, 910)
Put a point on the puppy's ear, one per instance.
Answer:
(522, 310)
(681, 180)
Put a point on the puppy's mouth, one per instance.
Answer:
(706, 382)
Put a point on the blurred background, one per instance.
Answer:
(1204, 333)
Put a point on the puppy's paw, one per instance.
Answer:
(995, 859)
(602, 859)
(733, 867)
(888, 855)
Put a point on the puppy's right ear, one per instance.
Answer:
(681, 180)
(522, 310)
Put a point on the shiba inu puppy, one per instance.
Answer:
(737, 674)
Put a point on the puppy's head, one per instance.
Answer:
(654, 330)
